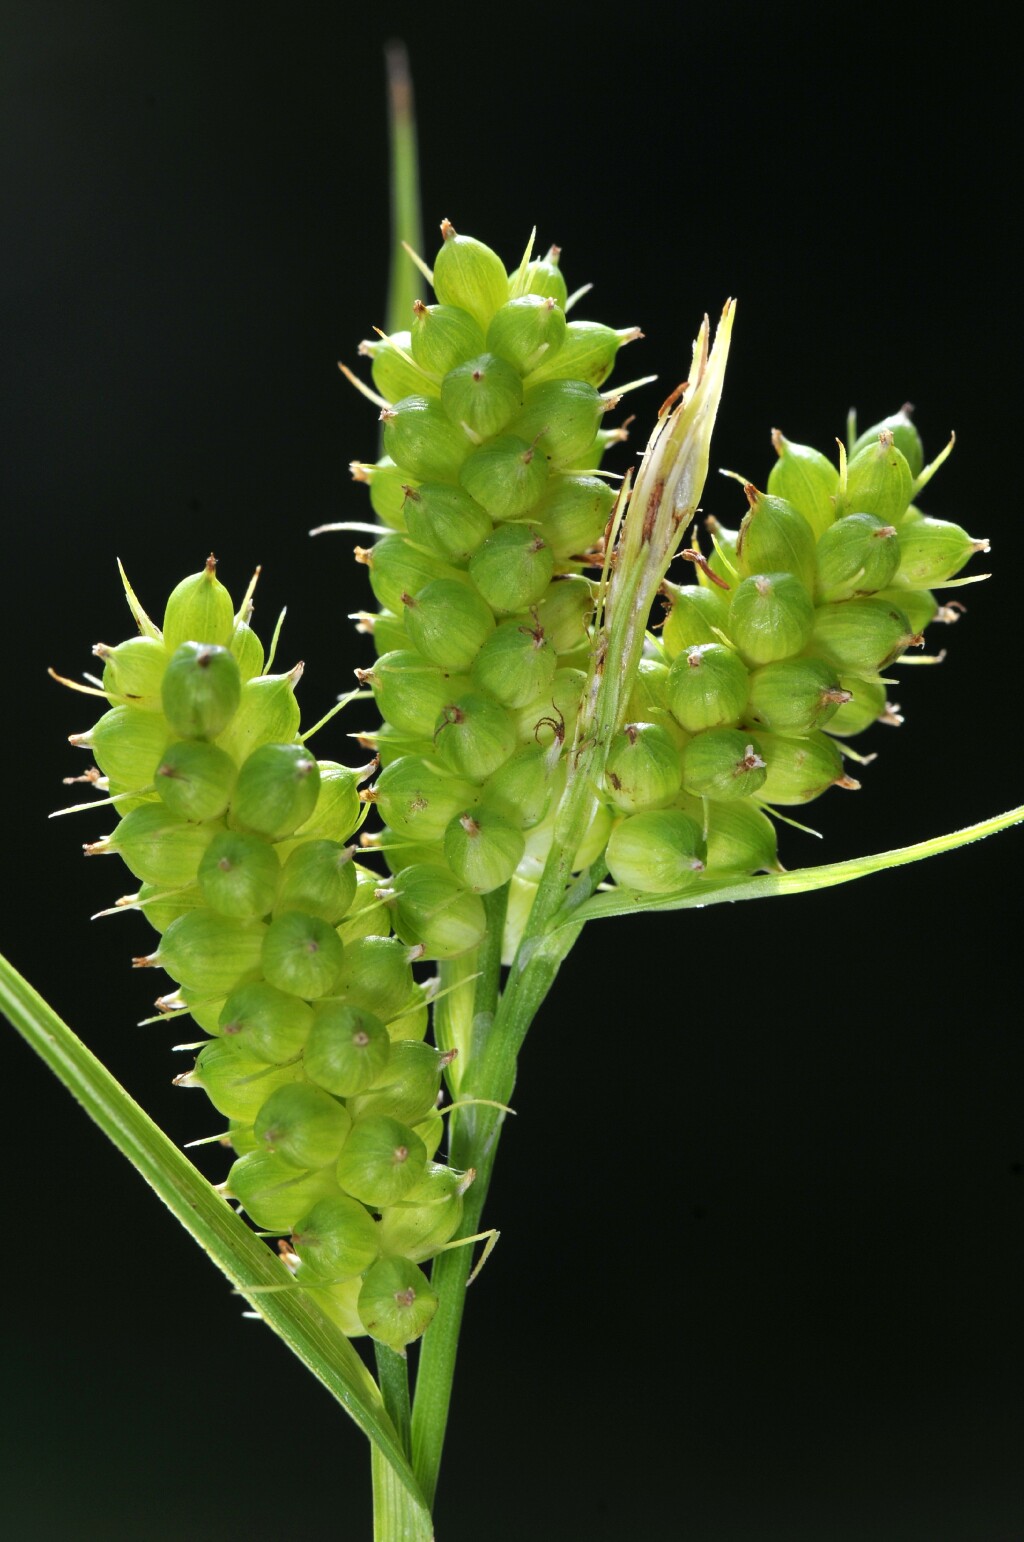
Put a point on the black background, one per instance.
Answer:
(760, 1267)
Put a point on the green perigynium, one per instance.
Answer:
(280, 949)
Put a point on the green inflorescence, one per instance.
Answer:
(282, 953)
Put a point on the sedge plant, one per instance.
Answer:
(588, 701)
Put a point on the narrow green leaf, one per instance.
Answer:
(621, 902)
(404, 286)
(247, 1262)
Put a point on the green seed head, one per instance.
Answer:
(431, 907)
(469, 275)
(267, 714)
(126, 745)
(276, 790)
(565, 612)
(656, 851)
(389, 488)
(420, 437)
(302, 955)
(396, 1302)
(381, 1161)
(724, 764)
(795, 696)
(201, 690)
(482, 849)
(303, 1124)
(512, 568)
(482, 395)
(247, 651)
(446, 519)
(444, 335)
(239, 875)
(398, 567)
(195, 779)
(587, 353)
(158, 846)
(806, 479)
(643, 769)
(337, 809)
(448, 622)
(319, 878)
(553, 716)
(527, 331)
(409, 691)
(544, 277)
(506, 476)
(199, 609)
(337, 1240)
(395, 373)
(856, 556)
(741, 839)
(573, 514)
(866, 705)
(236, 1082)
(266, 1023)
(775, 538)
(407, 1088)
(561, 418)
(420, 1225)
(707, 687)
(347, 1048)
(520, 791)
(376, 974)
(771, 617)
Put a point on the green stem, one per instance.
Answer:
(393, 1378)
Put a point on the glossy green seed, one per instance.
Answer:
(199, 610)
(856, 556)
(918, 605)
(468, 274)
(573, 514)
(656, 851)
(396, 1302)
(195, 779)
(866, 706)
(707, 687)
(433, 908)
(347, 1048)
(418, 798)
(553, 715)
(211, 953)
(389, 490)
(775, 538)
(565, 612)
(126, 745)
(398, 568)
(276, 790)
(267, 1023)
(587, 353)
(395, 372)
(158, 847)
(800, 769)
(376, 974)
(337, 1239)
(905, 437)
(420, 437)
(444, 335)
(407, 1089)
(337, 810)
(420, 1225)
(861, 636)
(878, 481)
(543, 277)
(247, 651)
(516, 664)
(303, 1124)
(302, 955)
(512, 568)
(695, 616)
(482, 395)
(561, 418)
(239, 875)
(932, 550)
(319, 878)
(161, 912)
(483, 850)
(448, 623)
(274, 1193)
(741, 839)
(723, 763)
(446, 520)
(527, 331)
(135, 669)
(381, 1161)
(267, 714)
(520, 791)
(201, 690)
(643, 769)
(771, 617)
(474, 736)
(236, 1083)
(806, 479)
(795, 696)
(506, 476)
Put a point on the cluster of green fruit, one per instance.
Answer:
(496, 510)
(283, 953)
